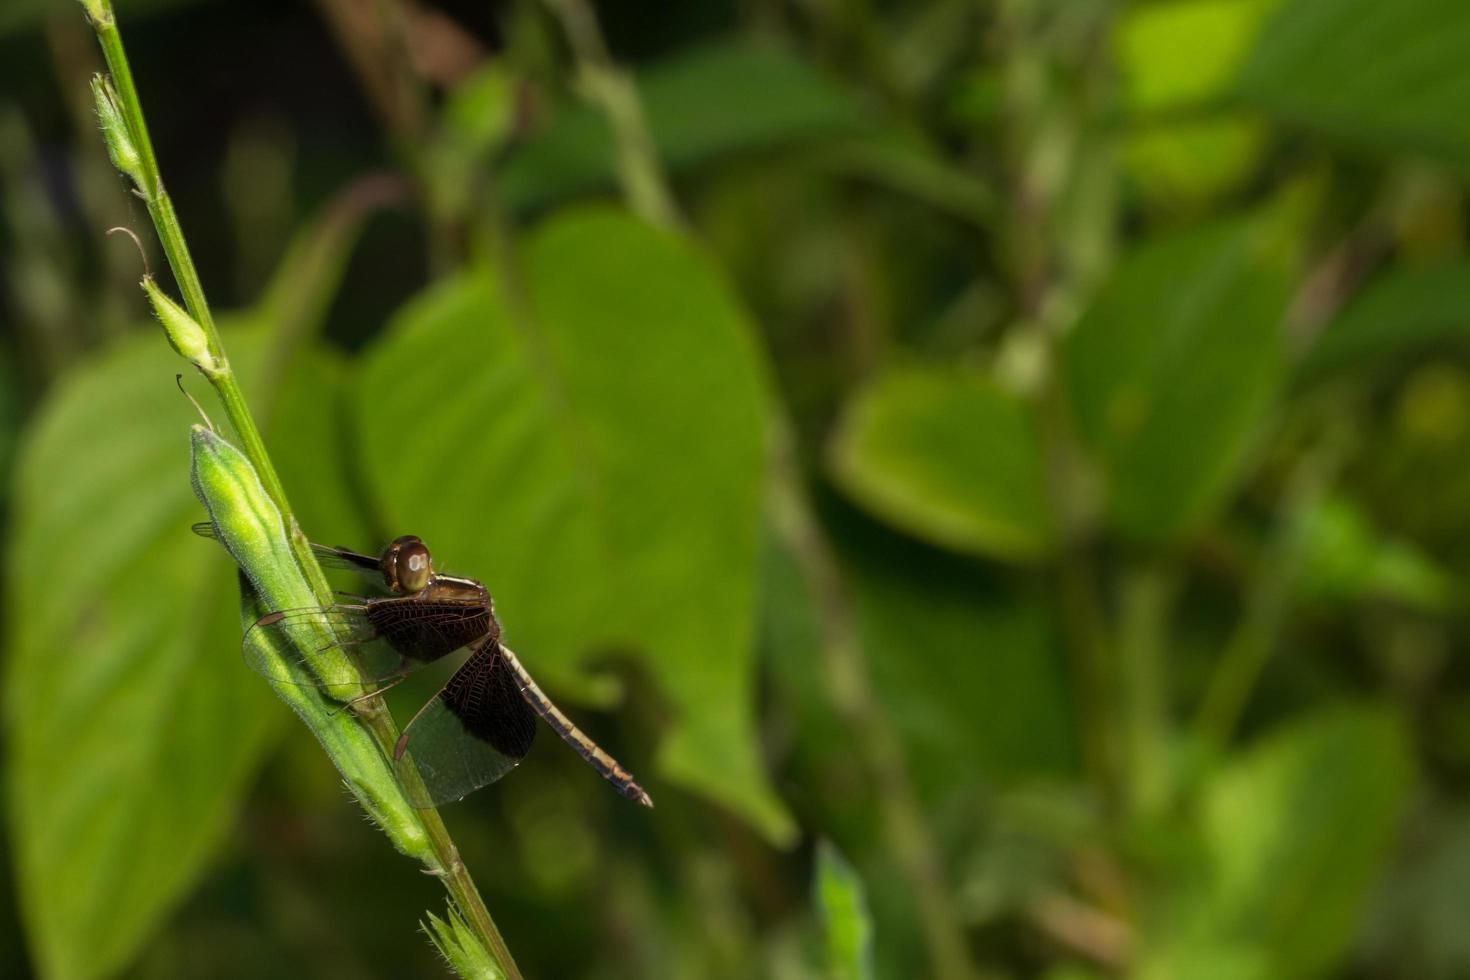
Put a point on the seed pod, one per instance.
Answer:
(248, 523)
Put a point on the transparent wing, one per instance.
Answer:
(367, 565)
(335, 647)
(475, 730)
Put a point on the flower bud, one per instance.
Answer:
(185, 335)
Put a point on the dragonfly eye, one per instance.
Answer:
(412, 566)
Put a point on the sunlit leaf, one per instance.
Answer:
(1171, 370)
(596, 455)
(133, 727)
(1185, 52)
(842, 906)
(949, 457)
(1404, 311)
(1389, 77)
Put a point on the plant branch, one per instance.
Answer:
(132, 149)
(603, 83)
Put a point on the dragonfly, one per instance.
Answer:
(481, 723)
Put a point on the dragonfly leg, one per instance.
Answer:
(389, 681)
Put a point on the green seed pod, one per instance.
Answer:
(185, 335)
(115, 132)
(248, 523)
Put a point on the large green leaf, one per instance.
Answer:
(1390, 77)
(596, 455)
(1403, 311)
(730, 98)
(948, 456)
(133, 727)
(1299, 830)
(1171, 370)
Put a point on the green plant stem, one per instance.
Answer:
(373, 711)
(1057, 253)
(605, 84)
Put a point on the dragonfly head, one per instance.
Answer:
(407, 565)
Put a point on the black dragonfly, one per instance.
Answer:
(482, 722)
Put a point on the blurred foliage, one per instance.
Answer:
(1013, 517)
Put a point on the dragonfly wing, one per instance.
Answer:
(331, 646)
(475, 730)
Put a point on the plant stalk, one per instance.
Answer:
(373, 711)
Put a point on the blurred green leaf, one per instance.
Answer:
(133, 727)
(1185, 52)
(948, 456)
(1300, 828)
(1192, 160)
(597, 456)
(731, 98)
(1389, 77)
(1404, 311)
(1171, 371)
(1346, 558)
(843, 908)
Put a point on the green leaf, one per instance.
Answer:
(949, 457)
(1346, 558)
(134, 728)
(1186, 52)
(1404, 311)
(596, 456)
(1300, 829)
(1389, 77)
(842, 906)
(1171, 371)
(704, 104)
